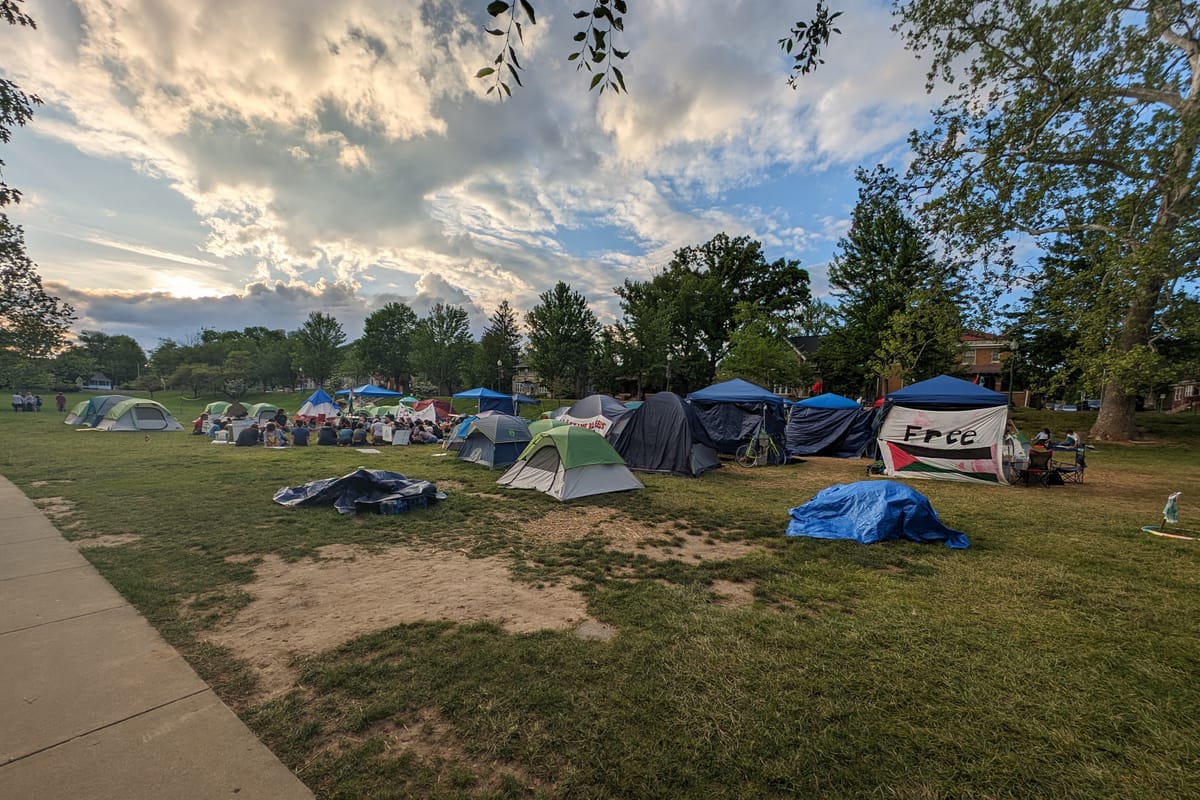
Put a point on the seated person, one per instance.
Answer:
(273, 436)
(280, 419)
(358, 437)
(1042, 438)
(377, 430)
(327, 435)
(1072, 441)
(344, 436)
(216, 429)
(249, 437)
(198, 425)
(300, 436)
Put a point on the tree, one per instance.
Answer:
(562, 332)
(120, 357)
(885, 267)
(1064, 117)
(503, 334)
(33, 324)
(387, 341)
(695, 299)
(759, 353)
(442, 345)
(316, 344)
(73, 366)
(197, 377)
(921, 340)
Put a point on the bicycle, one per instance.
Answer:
(761, 449)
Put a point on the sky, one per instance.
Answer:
(226, 164)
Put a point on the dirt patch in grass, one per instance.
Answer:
(660, 542)
(108, 540)
(47, 483)
(55, 507)
(450, 486)
(306, 607)
(429, 737)
(733, 595)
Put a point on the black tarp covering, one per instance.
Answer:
(663, 435)
(837, 432)
(366, 490)
(730, 425)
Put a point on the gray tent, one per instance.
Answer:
(495, 440)
(90, 412)
(663, 435)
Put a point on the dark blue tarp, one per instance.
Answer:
(946, 391)
(361, 490)
(825, 431)
(872, 511)
(731, 412)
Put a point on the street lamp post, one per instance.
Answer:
(668, 370)
(499, 375)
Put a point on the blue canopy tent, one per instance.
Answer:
(944, 428)
(490, 400)
(829, 425)
(731, 412)
(368, 390)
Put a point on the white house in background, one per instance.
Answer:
(99, 381)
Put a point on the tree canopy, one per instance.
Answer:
(317, 346)
(562, 333)
(1061, 118)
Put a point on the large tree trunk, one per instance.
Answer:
(1116, 422)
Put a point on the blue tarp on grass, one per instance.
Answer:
(872, 511)
(362, 490)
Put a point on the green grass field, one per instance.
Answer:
(1058, 657)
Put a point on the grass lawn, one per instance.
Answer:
(662, 643)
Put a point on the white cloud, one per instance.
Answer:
(346, 144)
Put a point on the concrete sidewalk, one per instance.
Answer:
(93, 703)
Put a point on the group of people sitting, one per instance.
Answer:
(343, 431)
(1044, 439)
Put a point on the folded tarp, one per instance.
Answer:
(872, 511)
(840, 432)
(369, 490)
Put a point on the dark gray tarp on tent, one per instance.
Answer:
(663, 435)
(361, 490)
(731, 412)
(837, 432)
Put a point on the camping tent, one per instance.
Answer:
(597, 412)
(90, 412)
(216, 409)
(828, 425)
(495, 441)
(569, 462)
(262, 413)
(944, 428)
(731, 412)
(458, 434)
(138, 414)
(663, 435)
(319, 404)
(539, 425)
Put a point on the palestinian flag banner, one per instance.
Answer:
(958, 445)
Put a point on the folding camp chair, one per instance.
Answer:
(1040, 468)
(1074, 474)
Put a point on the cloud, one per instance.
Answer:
(346, 146)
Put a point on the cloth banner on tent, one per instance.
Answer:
(960, 444)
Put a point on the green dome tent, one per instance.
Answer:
(138, 414)
(89, 412)
(569, 462)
